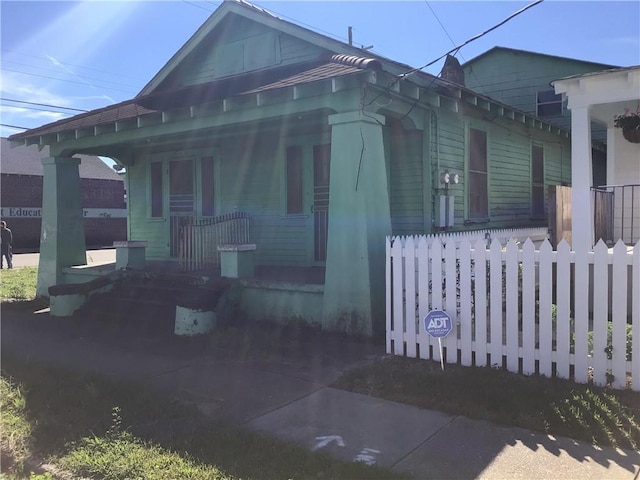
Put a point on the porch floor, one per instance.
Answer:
(277, 274)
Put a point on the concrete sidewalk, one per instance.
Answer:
(104, 255)
(295, 402)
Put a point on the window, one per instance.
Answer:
(549, 104)
(477, 178)
(294, 180)
(156, 190)
(537, 181)
(207, 186)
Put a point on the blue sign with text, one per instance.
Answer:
(437, 323)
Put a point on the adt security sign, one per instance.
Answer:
(437, 323)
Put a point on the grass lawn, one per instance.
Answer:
(95, 427)
(18, 283)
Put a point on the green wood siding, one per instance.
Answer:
(243, 46)
(252, 181)
(509, 167)
(407, 186)
(142, 226)
(515, 78)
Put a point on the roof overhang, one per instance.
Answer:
(605, 94)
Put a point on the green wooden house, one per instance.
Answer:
(322, 147)
(522, 79)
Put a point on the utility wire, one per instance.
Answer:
(42, 104)
(64, 80)
(54, 70)
(13, 126)
(38, 57)
(452, 42)
(442, 26)
(194, 4)
(472, 39)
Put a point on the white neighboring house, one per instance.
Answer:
(599, 97)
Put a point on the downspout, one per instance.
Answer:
(435, 171)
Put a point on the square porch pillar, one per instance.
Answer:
(359, 221)
(581, 180)
(62, 242)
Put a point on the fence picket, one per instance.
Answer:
(528, 308)
(424, 275)
(619, 316)
(410, 295)
(581, 316)
(465, 326)
(600, 313)
(398, 298)
(495, 299)
(635, 319)
(423, 295)
(451, 301)
(480, 302)
(545, 324)
(388, 273)
(563, 307)
(512, 313)
(436, 288)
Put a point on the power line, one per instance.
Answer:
(42, 104)
(13, 126)
(38, 57)
(441, 25)
(69, 81)
(196, 5)
(452, 42)
(58, 71)
(472, 39)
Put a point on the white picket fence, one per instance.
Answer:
(554, 313)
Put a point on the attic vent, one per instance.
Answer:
(358, 62)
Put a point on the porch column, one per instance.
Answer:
(359, 220)
(581, 173)
(62, 242)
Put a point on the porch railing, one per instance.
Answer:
(617, 213)
(199, 239)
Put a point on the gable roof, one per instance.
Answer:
(154, 103)
(25, 160)
(266, 18)
(497, 49)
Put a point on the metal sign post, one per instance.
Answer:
(437, 323)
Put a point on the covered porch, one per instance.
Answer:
(610, 212)
(288, 155)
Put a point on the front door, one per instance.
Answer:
(181, 200)
(321, 168)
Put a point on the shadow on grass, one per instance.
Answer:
(65, 406)
(598, 416)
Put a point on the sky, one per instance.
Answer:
(90, 54)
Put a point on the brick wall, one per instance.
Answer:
(26, 191)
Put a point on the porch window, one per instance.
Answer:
(478, 197)
(537, 181)
(207, 187)
(156, 190)
(294, 180)
(549, 104)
